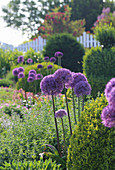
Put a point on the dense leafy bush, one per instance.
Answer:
(92, 144)
(73, 51)
(99, 67)
(6, 82)
(47, 165)
(105, 35)
(31, 87)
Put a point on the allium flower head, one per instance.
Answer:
(109, 87)
(58, 54)
(29, 60)
(32, 71)
(108, 116)
(30, 79)
(49, 67)
(40, 66)
(46, 58)
(32, 75)
(63, 75)
(20, 59)
(53, 59)
(49, 86)
(106, 10)
(77, 77)
(21, 75)
(39, 76)
(20, 69)
(111, 98)
(15, 71)
(82, 88)
(60, 113)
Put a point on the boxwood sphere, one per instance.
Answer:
(73, 51)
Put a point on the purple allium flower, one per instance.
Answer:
(30, 79)
(60, 113)
(29, 60)
(63, 75)
(109, 87)
(58, 54)
(46, 58)
(20, 69)
(21, 75)
(82, 88)
(39, 76)
(20, 59)
(111, 98)
(106, 10)
(77, 77)
(49, 67)
(53, 59)
(49, 86)
(15, 71)
(108, 116)
(40, 66)
(32, 75)
(32, 71)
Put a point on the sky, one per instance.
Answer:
(7, 34)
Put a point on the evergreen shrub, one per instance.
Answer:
(99, 67)
(73, 51)
(92, 144)
(6, 83)
(30, 87)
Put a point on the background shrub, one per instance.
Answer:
(30, 87)
(6, 83)
(105, 35)
(92, 144)
(73, 51)
(99, 67)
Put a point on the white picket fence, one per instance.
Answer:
(87, 40)
(5, 46)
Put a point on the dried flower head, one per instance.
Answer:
(15, 71)
(20, 69)
(40, 66)
(53, 59)
(58, 54)
(29, 60)
(82, 88)
(21, 75)
(49, 86)
(60, 113)
(63, 75)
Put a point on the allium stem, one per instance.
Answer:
(79, 109)
(68, 111)
(82, 102)
(58, 145)
(63, 135)
(74, 106)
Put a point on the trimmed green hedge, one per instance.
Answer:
(99, 67)
(31, 87)
(92, 144)
(73, 51)
(6, 83)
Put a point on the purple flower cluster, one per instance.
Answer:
(46, 58)
(32, 71)
(49, 86)
(60, 113)
(39, 77)
(40, 66)
(20, 69)
(21, 75)
(108, 113)
(49, 67)
(20, 59)
(15, 72)
(106, 10)
(31, 75)
(53, 59)
(29, 60)
(58, 54)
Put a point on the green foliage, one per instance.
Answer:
(99, 67)
(73, 51)
(47, 165)
(34, 86)
(105, 35)
(92, 144)
(35, 56)
(6, 83)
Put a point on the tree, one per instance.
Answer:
(59, 22)
(27, 15)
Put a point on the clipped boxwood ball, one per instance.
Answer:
(92, 144)
(72, 51)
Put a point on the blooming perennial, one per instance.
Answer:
(20, 59)
(38, 77)
(20, 69)
(60, 113)
(53, 59)
(15, 72)
(46, 58)
(109, 87)
(21, 75)
(40, 66)
(32, 71)
(49, 67)
(58, 54)
(29, 60)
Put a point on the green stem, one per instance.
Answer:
(63, 135)
(58, 145)
(79, 109)
(68, 111)
(74, 106)
(82, 102)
